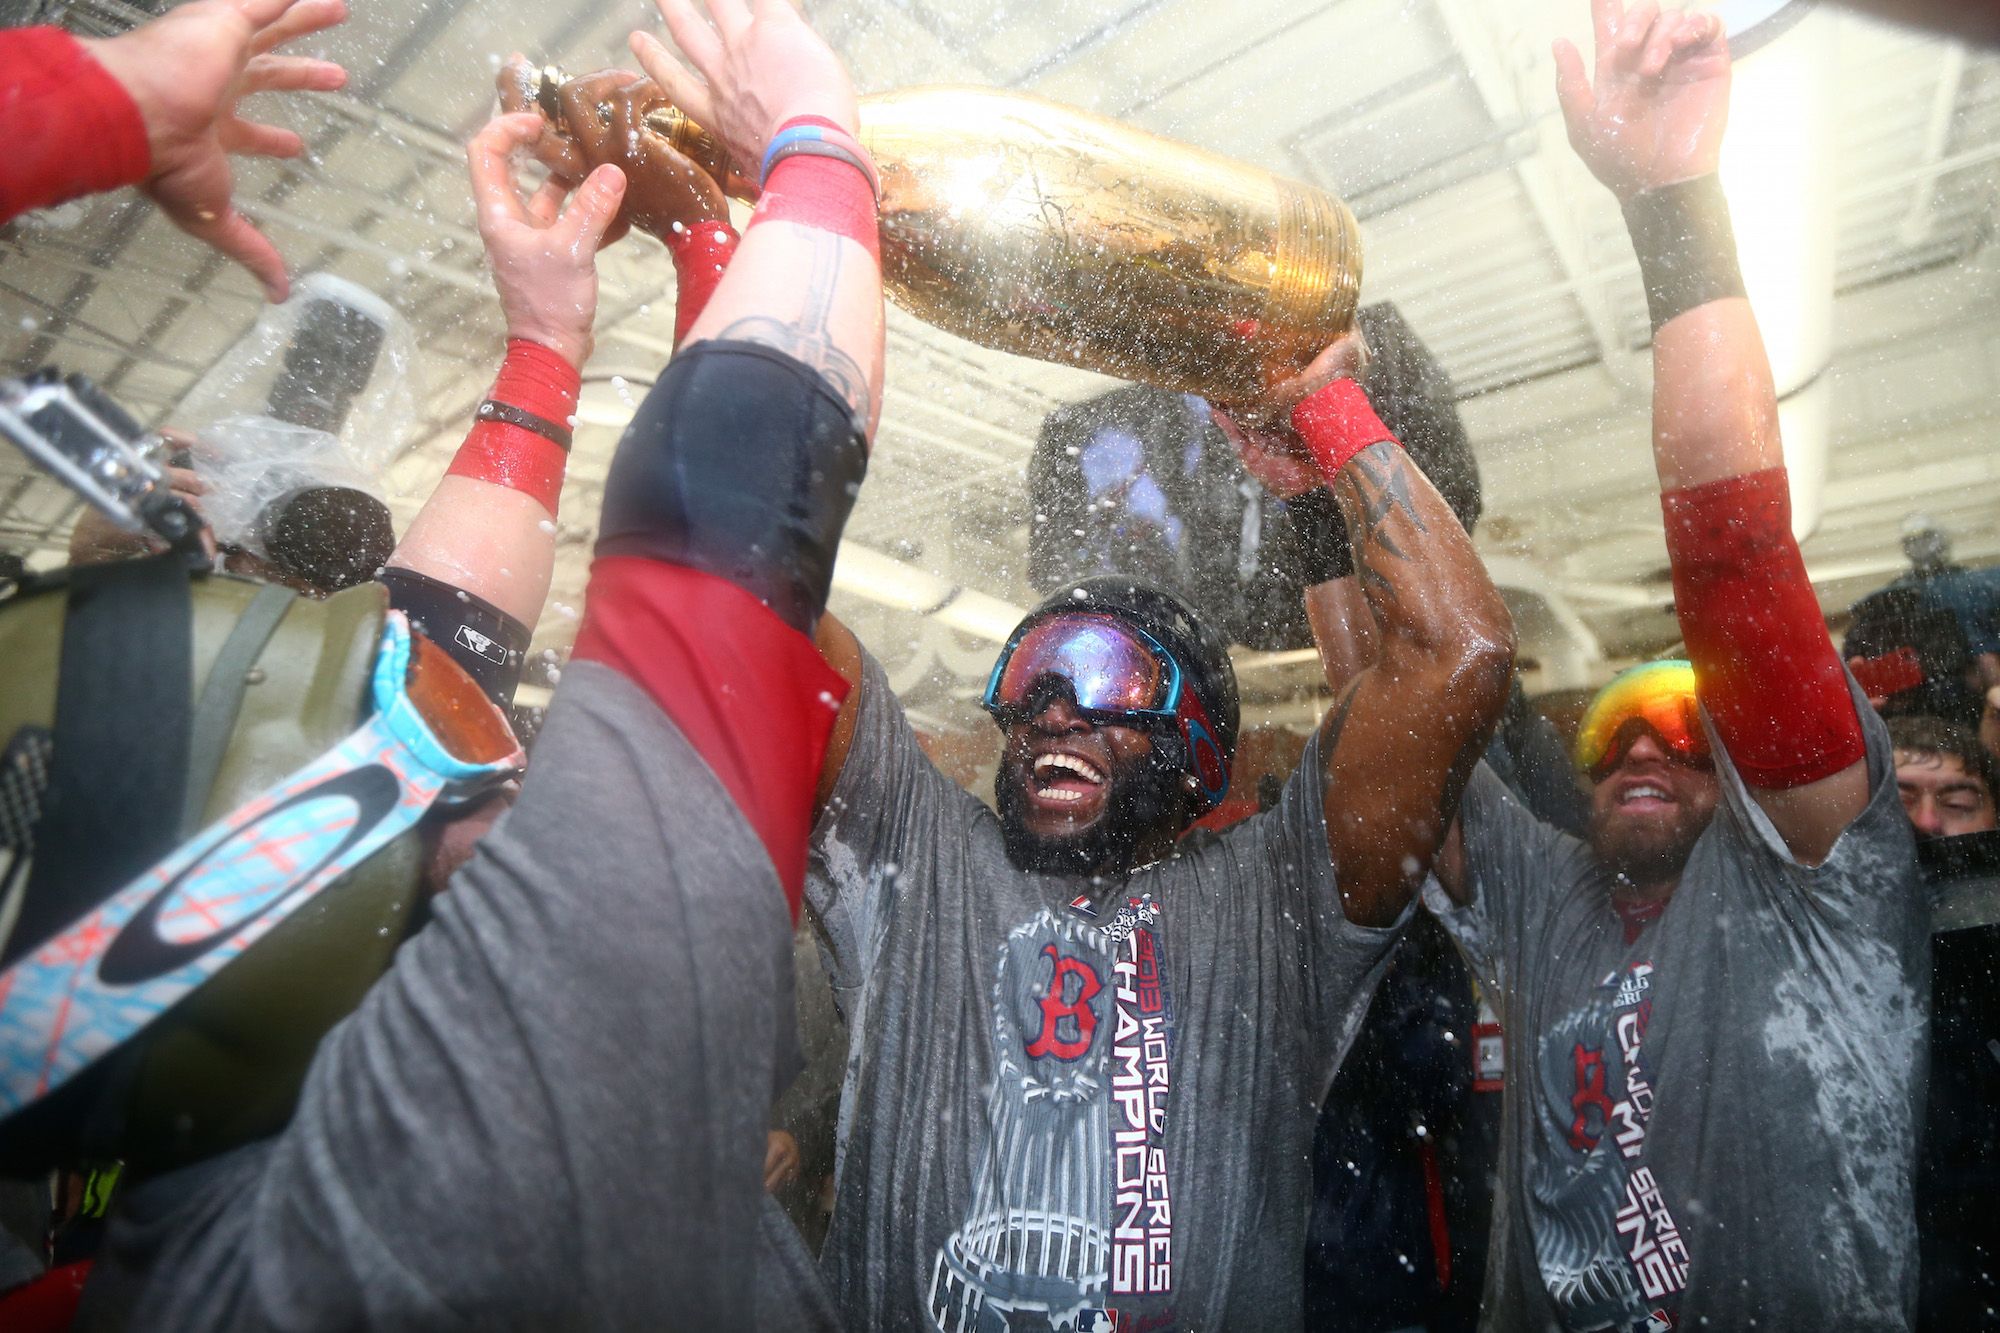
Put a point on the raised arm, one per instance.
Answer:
(1649, 126)
(1404, 731)
(474, 567)
(807, 280)
(725, 502)
(156, 107)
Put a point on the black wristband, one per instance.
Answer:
(1320, 546)
(490, 644)
(1686, 247)
(495, 410)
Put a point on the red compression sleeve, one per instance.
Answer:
(536, 380)
(70, 128)
(1763, 664)
(821, 192)
(751, 694)
(701, 253)
(1336, 421)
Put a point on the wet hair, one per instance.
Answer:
(1923, 734)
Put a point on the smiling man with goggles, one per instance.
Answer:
(1655, 696)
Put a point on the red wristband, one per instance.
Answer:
(1336, 422)
(70, 128)
(539, 382)
(1763, 664)
(701, 254)
(823, 193)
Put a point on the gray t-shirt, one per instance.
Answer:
(1071, 1105)
(1715, 1123)
(550, 1113)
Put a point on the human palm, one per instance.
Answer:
(1654, 111)
(186, 71)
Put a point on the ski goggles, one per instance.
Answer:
(1116, 672)
(100, 982)
(1658, 697)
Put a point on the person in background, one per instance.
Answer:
(1715, 1005)
(1971, 595)
(1944, 775)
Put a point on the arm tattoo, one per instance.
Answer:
(807, 339)
(1380, 479)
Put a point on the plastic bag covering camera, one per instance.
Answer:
(318, 394)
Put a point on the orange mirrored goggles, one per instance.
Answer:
(1658, 695)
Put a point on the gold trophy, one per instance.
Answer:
(1039, 229)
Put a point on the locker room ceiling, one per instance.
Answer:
(1435, 119)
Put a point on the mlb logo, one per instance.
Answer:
(479, 643)
(1086, 909)
(1095, 1321)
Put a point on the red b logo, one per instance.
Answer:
(1075, 1008)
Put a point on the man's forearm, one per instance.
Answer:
(70, 128)
(808, 280)
(1769, 675)
(1434, 608)
(1402, 736)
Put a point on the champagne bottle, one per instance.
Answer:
(1039, 229)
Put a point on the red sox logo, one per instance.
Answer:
(1068, 1021)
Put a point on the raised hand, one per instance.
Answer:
(186, 71)
(1262, 436)
(544, 254)
(758, 66)
(1655, 111)
(604, 121)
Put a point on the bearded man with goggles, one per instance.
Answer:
(1716, 1005)
(1086, 1059)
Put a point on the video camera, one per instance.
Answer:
(77, 432)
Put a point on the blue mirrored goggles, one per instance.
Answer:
(1116, 672)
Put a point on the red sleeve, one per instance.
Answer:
(1763, 664)
(701, 256)
(69, 127)
(751, 694)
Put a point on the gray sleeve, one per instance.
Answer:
(551, 1111)
(1280, 895)
(1869, 880)
(1517, 867)
(883, 815)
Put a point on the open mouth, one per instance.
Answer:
(1065, 779)
(1644, 796)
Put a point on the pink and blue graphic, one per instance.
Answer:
(109, 974)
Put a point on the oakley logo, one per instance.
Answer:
(139, 952)
(479, 643)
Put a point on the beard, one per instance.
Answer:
(1144, 797)
(1647, 852)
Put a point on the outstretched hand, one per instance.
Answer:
(1655, 111)
(1263, 435)
(186, 71)
(758, 66)
(544, 253)
(604, 122)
